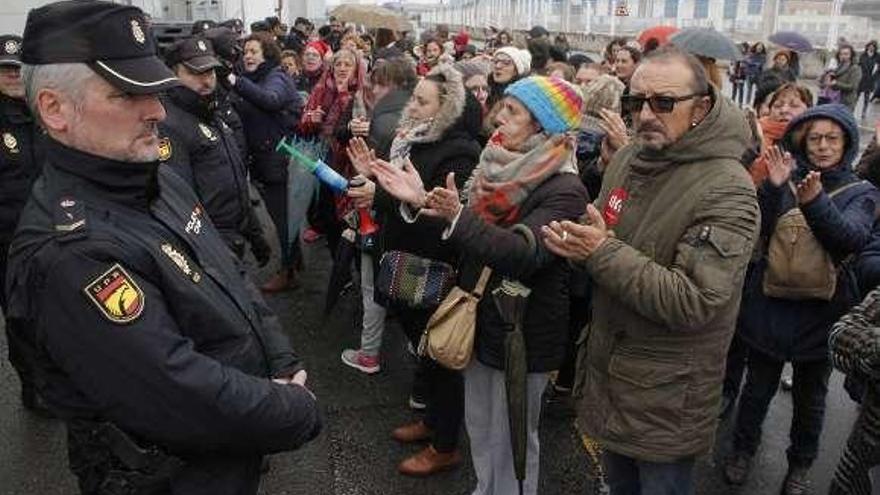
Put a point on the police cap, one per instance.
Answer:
(199, 27)
(114, 40)
(196, 53)
(10, 49)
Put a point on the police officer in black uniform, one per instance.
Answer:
(170, 371)
(20, 154)
(201, 147)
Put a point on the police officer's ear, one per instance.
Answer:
(54, 109)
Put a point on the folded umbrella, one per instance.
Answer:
(340, 275)
(792, 41)
(706, 42)
(511, 299)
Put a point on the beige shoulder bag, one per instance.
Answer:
(449, 334)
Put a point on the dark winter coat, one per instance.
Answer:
(869, 65)
(136, 314)
(455, 151)
(20, 162)
(519, 254)
(798, 330)
(755, 65)
(269, 107)
(383, 124)
(202, 149)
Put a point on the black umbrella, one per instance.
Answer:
(340, 274)
(706, 42)
(511, 298)
(792, 41)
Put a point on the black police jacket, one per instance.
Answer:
(200, 146)
(138, 314)
(19, 161)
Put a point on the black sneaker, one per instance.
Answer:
(737, 467)
(796, 481)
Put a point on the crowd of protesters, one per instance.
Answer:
(678, 247)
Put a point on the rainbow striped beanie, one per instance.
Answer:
(555, 103)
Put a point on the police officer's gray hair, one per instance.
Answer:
(71, 79)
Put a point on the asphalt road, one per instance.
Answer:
(355, 454)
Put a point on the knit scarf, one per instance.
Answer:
(416, 133)
(504, 179)
(773, 131)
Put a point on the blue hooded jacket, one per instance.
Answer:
(798, 330)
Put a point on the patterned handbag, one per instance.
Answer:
(413, 281)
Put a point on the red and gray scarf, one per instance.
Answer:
(504, 179)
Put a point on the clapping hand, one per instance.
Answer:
(574, 241)
(443, 202)
(361, 156)
(809, 188)
(615, 129)
(404, 184)
(779, 165)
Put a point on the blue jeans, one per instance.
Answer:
(628, 476)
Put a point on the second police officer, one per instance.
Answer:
(199, 145)
(20, 154)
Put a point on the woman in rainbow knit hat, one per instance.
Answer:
(526, 178)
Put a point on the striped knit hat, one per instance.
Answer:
(555, 103)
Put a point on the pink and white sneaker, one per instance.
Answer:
(360, 361)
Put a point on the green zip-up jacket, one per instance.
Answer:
(667, 290)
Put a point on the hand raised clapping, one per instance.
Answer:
(779, 165)
(361, 156)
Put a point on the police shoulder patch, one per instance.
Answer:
(164, 149)
(116, 295)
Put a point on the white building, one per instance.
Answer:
(743, 18)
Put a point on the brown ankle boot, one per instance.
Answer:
(412, 432)
(279, 282)
(429, 461)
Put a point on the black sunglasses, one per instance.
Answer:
(658, 104)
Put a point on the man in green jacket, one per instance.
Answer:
(666, 244)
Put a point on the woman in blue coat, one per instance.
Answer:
(822, 144)
(269, 106)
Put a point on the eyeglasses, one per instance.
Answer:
(833, 139)
(503, 62)
(479, 88)
(658, 104)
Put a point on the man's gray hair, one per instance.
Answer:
(668, 53)
(70, 79)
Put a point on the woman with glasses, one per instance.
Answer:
(509, 64)
(779, 319)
